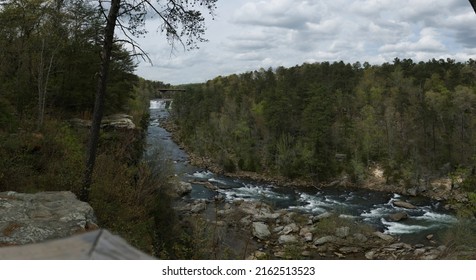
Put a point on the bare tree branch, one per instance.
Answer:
(170, 29)
(473, 3)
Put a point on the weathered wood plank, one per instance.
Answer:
(94, 245)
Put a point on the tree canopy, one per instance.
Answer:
(317, 121)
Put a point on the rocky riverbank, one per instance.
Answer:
(440, 189)
(260, 232)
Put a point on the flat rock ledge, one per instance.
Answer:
(32, 218)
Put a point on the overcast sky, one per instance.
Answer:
(247, 35)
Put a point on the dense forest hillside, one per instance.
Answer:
(318, 121)
(49, 60)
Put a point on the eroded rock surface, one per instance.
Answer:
(31, 218)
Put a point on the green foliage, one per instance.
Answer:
(412, 118)
(50, 160)
(7, 120)
(50, 48)
(461, 237)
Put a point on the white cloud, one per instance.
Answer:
(427, 42)
(247, 35)
(278, 13)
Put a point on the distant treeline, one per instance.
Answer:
(321, 120)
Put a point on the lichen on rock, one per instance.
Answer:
(30, 218)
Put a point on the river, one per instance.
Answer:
(359, 204)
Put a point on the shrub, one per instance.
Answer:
(460, 240)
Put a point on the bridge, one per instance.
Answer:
(171, 90)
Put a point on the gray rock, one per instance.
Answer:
(288, 218)
(121, 121)
(322, 216)
(245, 221)
(348, 250)
(431, 255)
(399, 216)
(370, 255)
(400, 245)
(290, 228)
(30, 218)
(260, 230)
(404, 204)
(384, 236)
(278, 229)
(306, 233)
(259, 211)
(306, 254)
(288, 238)
(418, 252)
(198, 206)
(324, 240)
(183, 188)
(308, 237)
(257, 255)
(413, 191)
(360, 237)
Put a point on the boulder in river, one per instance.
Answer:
(404, 204)
(183, 188)
(399, 216)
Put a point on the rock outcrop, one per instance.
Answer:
(31, 218)
(119, 121)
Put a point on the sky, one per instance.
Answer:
(247, 35)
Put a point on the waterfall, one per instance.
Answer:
(157, 104)
(161, 104)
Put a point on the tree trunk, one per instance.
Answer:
(100, 97)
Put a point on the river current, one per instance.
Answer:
(367, 206)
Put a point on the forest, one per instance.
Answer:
(317, 122)
(416, 120)
(49, 60)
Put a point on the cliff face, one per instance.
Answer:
(32, 218)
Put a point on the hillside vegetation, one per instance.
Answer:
(319, 121)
